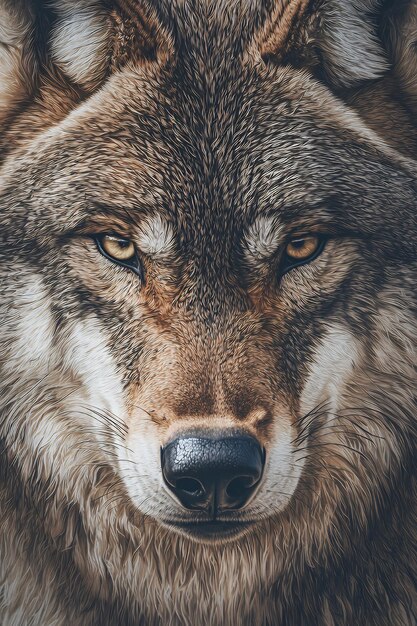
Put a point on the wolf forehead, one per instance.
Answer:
(200, 126)
(198, 58)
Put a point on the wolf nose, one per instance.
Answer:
(213, 474)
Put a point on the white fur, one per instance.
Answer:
(156, 237)
(34, 332)
(78, 370)
(86, 353)
(140, 467)
(80, 41)
(332, 365)
(263, 239)
(282, 472)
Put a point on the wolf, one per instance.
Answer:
(208, 313)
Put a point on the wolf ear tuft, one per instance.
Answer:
(351, 49)
(17, 58)
(72, 46)
(91, 38)
(337, 38)
(80, 40)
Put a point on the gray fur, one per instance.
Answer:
(353, 52)
(211, 158)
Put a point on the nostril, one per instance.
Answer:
(190, 486)
(218, 472)
(238, 487)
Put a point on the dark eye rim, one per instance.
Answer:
(132, 264)
(288, 263)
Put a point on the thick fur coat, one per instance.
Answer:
(208, 134)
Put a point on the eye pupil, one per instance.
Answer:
(298, 243)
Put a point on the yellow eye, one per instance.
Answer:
(302, 248)
(118, 248)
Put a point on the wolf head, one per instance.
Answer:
(208, 271)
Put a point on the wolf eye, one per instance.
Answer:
(119, 250)
(302, 250)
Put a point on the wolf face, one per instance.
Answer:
(208, 330)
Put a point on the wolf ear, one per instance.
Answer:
(339, 38)
(348, 38)
(92, 38)
(81, 41)
(35, 36)
(17, 56)
(400, 36)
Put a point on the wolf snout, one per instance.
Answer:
(213, 473)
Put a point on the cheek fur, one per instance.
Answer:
(30, 345)
(332, 364)
(282, 472)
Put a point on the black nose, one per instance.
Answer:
(213, 473)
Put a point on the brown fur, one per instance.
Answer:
(233, 124)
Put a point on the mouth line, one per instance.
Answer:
(211, 529)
